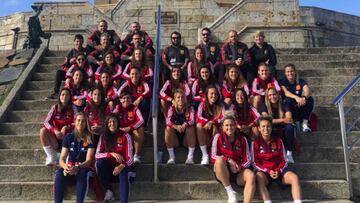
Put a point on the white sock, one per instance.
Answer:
(229, 189)
(171, 153)
(267, 201)
(204, 150)
(305, 121)
(48, 151)
(288, 153)
(297, 201)
(191, 152)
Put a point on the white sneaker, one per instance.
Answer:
(290, 159)
(137, 159)
(51, 161)
(232, 197)
(205, 160)
(109, 196)
(305, 127)
(171, 161)
(189, 160)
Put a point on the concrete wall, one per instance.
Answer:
(329, 28)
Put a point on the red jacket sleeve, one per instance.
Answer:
(255, 150)
(200, 114)
(225, 90)
(163, 92)
(100, 150)
(49, 120)
(224, 55)
(216, 149)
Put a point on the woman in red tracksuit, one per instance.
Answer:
(114, 159)
(110, 92)
(96, 110)
(140, 92)
(231, 158)
(111, 67)
(79, 89)
(233, 79)
(269, 161)
(208, 117)
(261, 83)
(138, 61)
(245, 114)
(81, 63)
(167, 91)
(58, 122)
(131, 121)
(206, 78)
(195, 64)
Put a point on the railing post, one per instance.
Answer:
(155, 93)
(15, 37)
(345, 145)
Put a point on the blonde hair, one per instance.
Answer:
(259, 33)
(279, 104)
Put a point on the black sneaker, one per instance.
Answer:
(52, 96)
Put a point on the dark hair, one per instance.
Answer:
(240, 80)
(204, 84)
(68, 105)
(195, 64)
(108, 135)
(215, 110)
(176, 84)
(245, 108)
(84, 82)
(264, 118)
(138, 64)
(124, 93)
(79, 37)
(175, 33)
(103, 21)
(206, 29)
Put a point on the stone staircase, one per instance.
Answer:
(320, 166)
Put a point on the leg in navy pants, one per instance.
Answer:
(82, 182)
(104, 170)
(288, 136)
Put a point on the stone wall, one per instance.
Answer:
(329, 28)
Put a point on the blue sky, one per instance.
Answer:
(345, 6)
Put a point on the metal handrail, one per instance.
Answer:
(339, 100)
(155, 98)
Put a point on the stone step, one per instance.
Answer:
(322, 189)
(319, 50)
(311, 65)
(177, 172)
(55, 60)
(293, 58)
(37, 94)
(334, 80)
(308, 154)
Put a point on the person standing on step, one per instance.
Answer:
(114, 159)
(262, 52)
(297, 96)
(231, 158)
(131, 121)
(212, 53)
(236, 52)
(70, 60)
(175, 55)
(58, 122)
(283, 121)
(76, 158)
(180, 129)
(269, 161)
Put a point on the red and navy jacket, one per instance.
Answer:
(251, 118)
(141, 89)
(115, 74)
(88, 70)
(198, 94)
(228, 89)
(146, 41)
(174, 117)
(212, 53)
(146, 72)
(129, 117)
(239, 50)
(175, 55)
(238, 150)
(166, 92)
(94, 38)
(123, 145)
(259, 86)
(56, 120)
(203, 119)
(71, 54)
(78, 93)
(192, 74)
(266, 157)
(94, 114)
